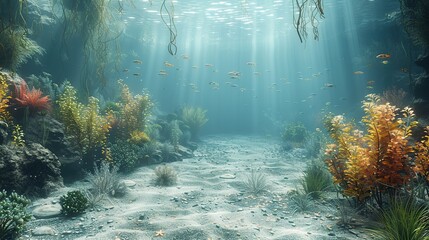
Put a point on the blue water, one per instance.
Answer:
(280, 80)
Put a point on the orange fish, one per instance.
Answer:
(383, 56)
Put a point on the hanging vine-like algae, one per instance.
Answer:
(88, 20)
(168, 11)
(307, 12)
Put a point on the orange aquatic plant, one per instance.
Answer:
(377, 162)
(421, 166)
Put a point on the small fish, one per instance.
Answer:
(257, 73)
(213, 83)
(358, 73)
(208, 65)
(125, 70)
(329, 85)
(234, 73)
(383, 56)
(167, 64)
(136, 74)
(234, 85)
(385, 62)
(137, 61)
(194, 67)
(404, 70)
(370, 82)
(251, 63)
(162, 73)
(186, 57)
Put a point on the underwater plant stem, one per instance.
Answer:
(172, 47)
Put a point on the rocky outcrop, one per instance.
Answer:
(421, 88)
(3, 132)
(31, 169)
(50, 133)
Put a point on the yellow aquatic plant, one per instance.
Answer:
(84, 124)
(4, 98)
(134, 112)
(138, 137)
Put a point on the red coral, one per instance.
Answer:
(31, 99)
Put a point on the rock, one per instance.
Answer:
(43, 230)
(50, 133)
(30, 169)
(47, 211)
(227, 176)
(129, 183)
(3, 132)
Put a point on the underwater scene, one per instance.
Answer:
(214, 120)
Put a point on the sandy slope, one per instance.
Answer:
(208, 201)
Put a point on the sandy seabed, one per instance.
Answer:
(209, 200)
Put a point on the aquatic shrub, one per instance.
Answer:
(194, 118)
(73, 203)
(134, 113)
(150, 150)
(314, 143)
(403, 219)
(396, 97)
(139, 137)
(376, 163)
(16, 48)
(83, 123)
(32, 100)
(294, 133)
(421, 162)
(256, 183)
(105, 180)
(125, 155)
(174, 132)
(165, 176)
(4, 99)
(316, 180)
(13, 214)
(300, 202)
(45, 84)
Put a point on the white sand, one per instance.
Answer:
(206, 203)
